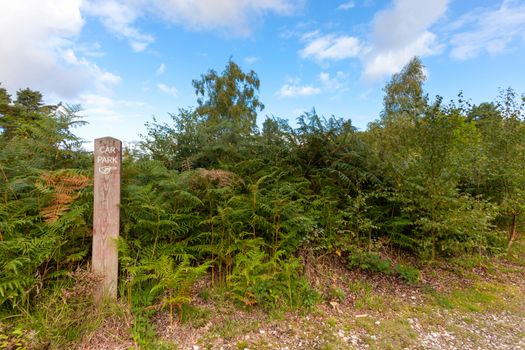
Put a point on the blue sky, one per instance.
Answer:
(127, 61)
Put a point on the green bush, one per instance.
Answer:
(407, 273)
(270, 281)
(369, 261)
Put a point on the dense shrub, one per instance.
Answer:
(212, 194)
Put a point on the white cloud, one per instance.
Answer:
(139, 46)
(170, 90)
(118, 17)
(104, 80)
(108, 78)
(90, 49)
(330, 47)
(102, 108)
(38, 49)
(346, 5)
(107, 116)
(160, 70)
(379, 63)
(294, 89)
(251, 60)
(400, 33)
(232, 17)
(404, 23)
(40, 45)
(488, 30)
(333, 83)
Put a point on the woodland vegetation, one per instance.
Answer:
(212, 194)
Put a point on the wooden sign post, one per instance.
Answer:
(106, 214)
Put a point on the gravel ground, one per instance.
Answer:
(477, 309)
(501, 331)
(398, 316)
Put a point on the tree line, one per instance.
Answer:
(212, 193)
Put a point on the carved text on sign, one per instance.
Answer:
(108, 149)
(106, 169)
(107, 162)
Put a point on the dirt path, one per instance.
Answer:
(446, 330)
(467, 308)
(482, 308)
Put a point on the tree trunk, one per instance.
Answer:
(433, 256)
(513, 232)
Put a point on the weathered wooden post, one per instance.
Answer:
(106, 214)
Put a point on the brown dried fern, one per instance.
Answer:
(64, 186)
(220, 177)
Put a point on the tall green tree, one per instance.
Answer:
(502, 128)
(5, 98)
(229, 101)
(404, 95)
(29, 100)
(443, 215)
(27, 109)
(219, 129)
(426, 149)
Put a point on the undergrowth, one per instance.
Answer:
(212, 194)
